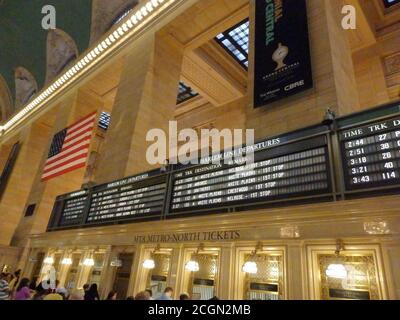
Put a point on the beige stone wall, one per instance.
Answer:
(43, 194)
(34, 141)
(145, 100)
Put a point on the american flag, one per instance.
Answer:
(70, 148)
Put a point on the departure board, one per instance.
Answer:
(371, 155)
(73, 210)
(292, 170)
(140, 196)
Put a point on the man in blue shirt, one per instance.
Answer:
(167, 295)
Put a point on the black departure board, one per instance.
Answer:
(139, 196)
(293, 170)
(371, 155)
(74, 208)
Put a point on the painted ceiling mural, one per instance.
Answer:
(30, 56)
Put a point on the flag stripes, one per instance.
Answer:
(70, 148)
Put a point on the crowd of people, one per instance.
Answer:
(14, 288)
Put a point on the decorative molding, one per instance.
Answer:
(141, 17)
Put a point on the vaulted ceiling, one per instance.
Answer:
(23, 40)
(31, 56)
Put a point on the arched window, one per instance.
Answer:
(6, 104)
(61, 52)
(105, 14)
(25, 86)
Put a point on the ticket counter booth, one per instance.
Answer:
(349, 273)
(123, 269)
(57, 261)
(51, 265)
(97, 269)
(261, 272)
(265, 280)
(203, 268)
(37, 266)
(72, 272)
(159, 266)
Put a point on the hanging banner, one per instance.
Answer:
(282, 53)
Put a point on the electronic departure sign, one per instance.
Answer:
(371, 155)
(291, 168)
(69, 209)
(279, 172)
(139, 196)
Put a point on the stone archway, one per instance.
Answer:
(104, 13)
(25, 86)
(6, 101)
(61, 52)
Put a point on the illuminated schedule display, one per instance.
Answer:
(74, 208)
(295, 167)
(283, 172)
(140, 196)
(371, 155)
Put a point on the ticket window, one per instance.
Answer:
(158, 277)
(267, 282)
(72, 275)
(95, 273)
(57, 262)
(123, 275)
(203, 283)
(37, 267)
(348, 277)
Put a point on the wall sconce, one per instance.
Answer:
(48, 260)
(337, 270)
(250, 266)
(88, 262)
(150, 264)
(193, 265)
(66, 261)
